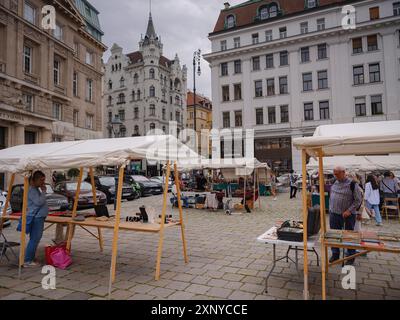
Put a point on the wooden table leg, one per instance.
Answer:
(100, 239)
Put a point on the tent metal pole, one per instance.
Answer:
(305, 214)
(178, 190)
(23, 225)
(100, 234)
(323, 222)
(71, 227)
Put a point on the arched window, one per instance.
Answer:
(136, 131)
(164, 129)
(177, 84)
(152, 91)
(112, 68)
(152, 110)
(135, 78)
(230, 21)
(138, 95)
(151, 73)
(119, 66)
(122, 82)
(122, 131)
(152, 126)
(273, 10)
(121, 98)
(264, 13)
(177, 100)
(110, 84)
(109, 100)
(133, 95)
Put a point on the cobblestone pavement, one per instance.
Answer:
(226, 262)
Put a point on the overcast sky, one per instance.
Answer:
(183, 25)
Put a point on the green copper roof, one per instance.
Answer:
(91, 16)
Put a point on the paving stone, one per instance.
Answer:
(253, 288)
(161, 292)
(201, 280)
(177, 285)
(233, 277)
(101, 291)
(141, 296)
(219, 292)
(184, 277)
(241, 295)
(181, 295)
(16, 296)
(197, 289)
(77, 296)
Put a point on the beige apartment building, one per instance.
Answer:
(50, 80)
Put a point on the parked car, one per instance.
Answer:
(106, 184)
(147, 187)
(55, 202)
(6, 222)
(85, 200)
(161, 179)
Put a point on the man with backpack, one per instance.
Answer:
(345, 200)
(293, 184)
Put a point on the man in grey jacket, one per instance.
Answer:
(345, 200)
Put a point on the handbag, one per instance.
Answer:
(58, 256)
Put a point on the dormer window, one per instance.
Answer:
(273, 10)
(230, 21)
(311, 4)
(268, 11)
(264, 14)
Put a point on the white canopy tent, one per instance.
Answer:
(91, 153)
(358, 163)
(369, 138)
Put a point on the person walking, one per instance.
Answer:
(372, 198)
(37, 214)
(345, 200)
(293, 185)
(389, 186)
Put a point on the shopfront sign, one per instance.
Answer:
(11, 117)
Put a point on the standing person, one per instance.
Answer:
(273, 185)
(389, 186)
(54, 178)
(345, 199)
(293, 185)
(372, 197)
(37, 213)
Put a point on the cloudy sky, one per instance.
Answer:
(182, 24)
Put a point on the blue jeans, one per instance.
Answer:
(374, 207)
(34, 239)
(337, 222)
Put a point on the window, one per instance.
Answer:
(30, 137)
(358, 75)
(57, 112)
(152, 91)
(259, 116)
(284, 58)
(152, 110)
(226, 121)
(225, 93)
(121, 114)
(269, 60)
(136, 113)
(109, 100)
(122, 132)
(76, 117)
(76, 48)
(58, 32)
(304, 27)
(87, 11)
(89, 90)
(224, 69)
(121, 98)
(164, 114)
(238, 118)
(75, 84)
(254, 38)
(282, 33)
(122, 82)
(238, 66)
(151, 73)
(376, 105)
(268, 35)
(236, 43)
(374, 73)
(136, 131)
(322, 51)
(360, 106)
(230, 21)
(89, 57)
(307, 82)
(258, 88)
(135, 79)
(264, 14)
(372, 42)
(56, 72)
(324, 110)
(374, 13)
(396, 8)
(283, 85)
(321, 24)
(271, 115)
(238, 91)
(357, 45)
(177, 101)
(223, 45)
(305, 54)
(256, 63)
(27, 59)
(323, 79)
(284, 114)
(28, 101)
(311, 4)
(273, 10)
(138, 95)
(29, 13)
(270, 87)
(308, 112)
(89, 121)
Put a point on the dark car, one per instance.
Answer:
(55, 202)
(106, 184)
(68, 189)
(147, 187)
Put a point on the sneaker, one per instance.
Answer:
(275, 199)
(379, 224)
(31, 264)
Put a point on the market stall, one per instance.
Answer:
(24, 159)
(352, 139)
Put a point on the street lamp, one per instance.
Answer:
(196, 65)
(115, 126)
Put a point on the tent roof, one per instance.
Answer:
(227, 163)
(358, 163)
(368, 138)
(91, 153)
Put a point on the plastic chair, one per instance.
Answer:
(391, 204)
